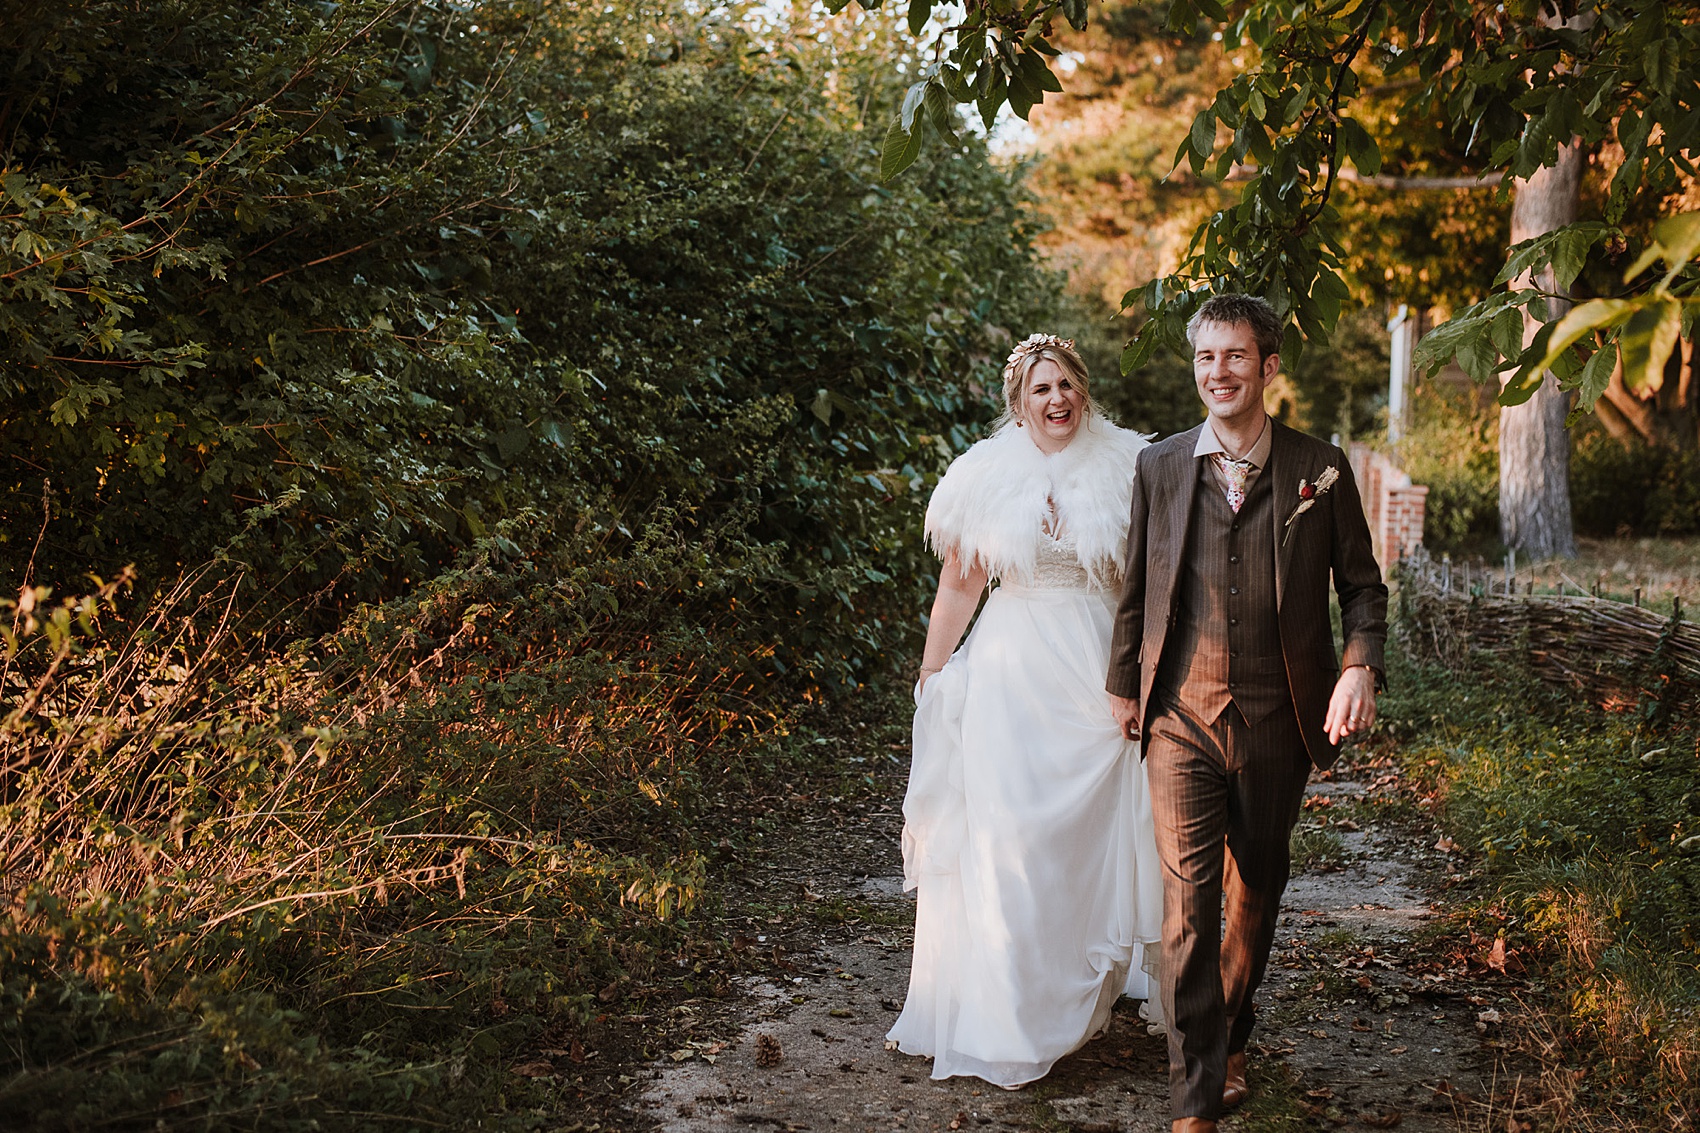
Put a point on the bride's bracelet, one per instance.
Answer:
(930, 669)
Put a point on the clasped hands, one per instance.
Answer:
(1351, 709)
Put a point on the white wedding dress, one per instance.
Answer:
(1027, 826)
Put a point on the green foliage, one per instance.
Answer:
(1453, 447)
(1160, 398)
(268, 888)
(1616, 489)
(1342, 384)
(555, 393)
(332, 290)
(1513, 84)
(1587, 823)
(1634, 336)
(1635, 489)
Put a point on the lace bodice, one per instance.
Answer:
(1058, 566)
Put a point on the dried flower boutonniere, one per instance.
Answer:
(1308, 493)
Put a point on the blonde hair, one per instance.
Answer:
(1030, 352)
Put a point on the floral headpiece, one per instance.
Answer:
(1033, 344)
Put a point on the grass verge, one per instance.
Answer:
(1585, 823)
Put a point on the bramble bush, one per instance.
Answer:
(332, 290)
(514, 414)
(272, 888)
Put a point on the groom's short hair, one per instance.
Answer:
(1240, 310)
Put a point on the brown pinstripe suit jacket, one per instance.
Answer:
(1331, 541)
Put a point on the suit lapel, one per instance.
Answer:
(1284, 493)
(1184, 475)
(1180, 519)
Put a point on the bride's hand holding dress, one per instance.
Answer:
(958, 597)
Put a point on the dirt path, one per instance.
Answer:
(1368, 1020)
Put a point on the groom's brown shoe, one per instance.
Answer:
(1193, 1125)
(1234, 1088)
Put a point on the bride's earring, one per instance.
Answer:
(1021, 424)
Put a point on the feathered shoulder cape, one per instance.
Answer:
(991, 503)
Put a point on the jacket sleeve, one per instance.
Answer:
(1128, 638)
(1357, 580)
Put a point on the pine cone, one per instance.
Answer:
(767, 1051)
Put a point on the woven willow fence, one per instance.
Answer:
(1615, 652)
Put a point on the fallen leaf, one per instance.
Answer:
(535, 1070)
(1495, 957)
(1320, 1092)
(1446, 845)
(1360, 1025)
(1387, 1120)
(682, 1054)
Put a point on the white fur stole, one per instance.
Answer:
(990, 505)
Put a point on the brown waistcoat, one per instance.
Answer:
(1226, 642)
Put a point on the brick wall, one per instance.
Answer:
(1393, 505)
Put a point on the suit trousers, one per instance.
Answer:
(1218, 785)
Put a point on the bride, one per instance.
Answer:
(1027, 828)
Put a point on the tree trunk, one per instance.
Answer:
(1534, 446)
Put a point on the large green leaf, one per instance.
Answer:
(1360, 147)
(1203, 136)
(912, 100)
(901, 149)
(1586, 318)
(919, 12)
(941, 111)
(1595, 375)
(1649, 335)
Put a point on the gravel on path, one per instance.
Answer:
(1366, 1021)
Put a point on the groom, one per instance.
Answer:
(1223, 658)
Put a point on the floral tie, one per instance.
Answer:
(1235, 472)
